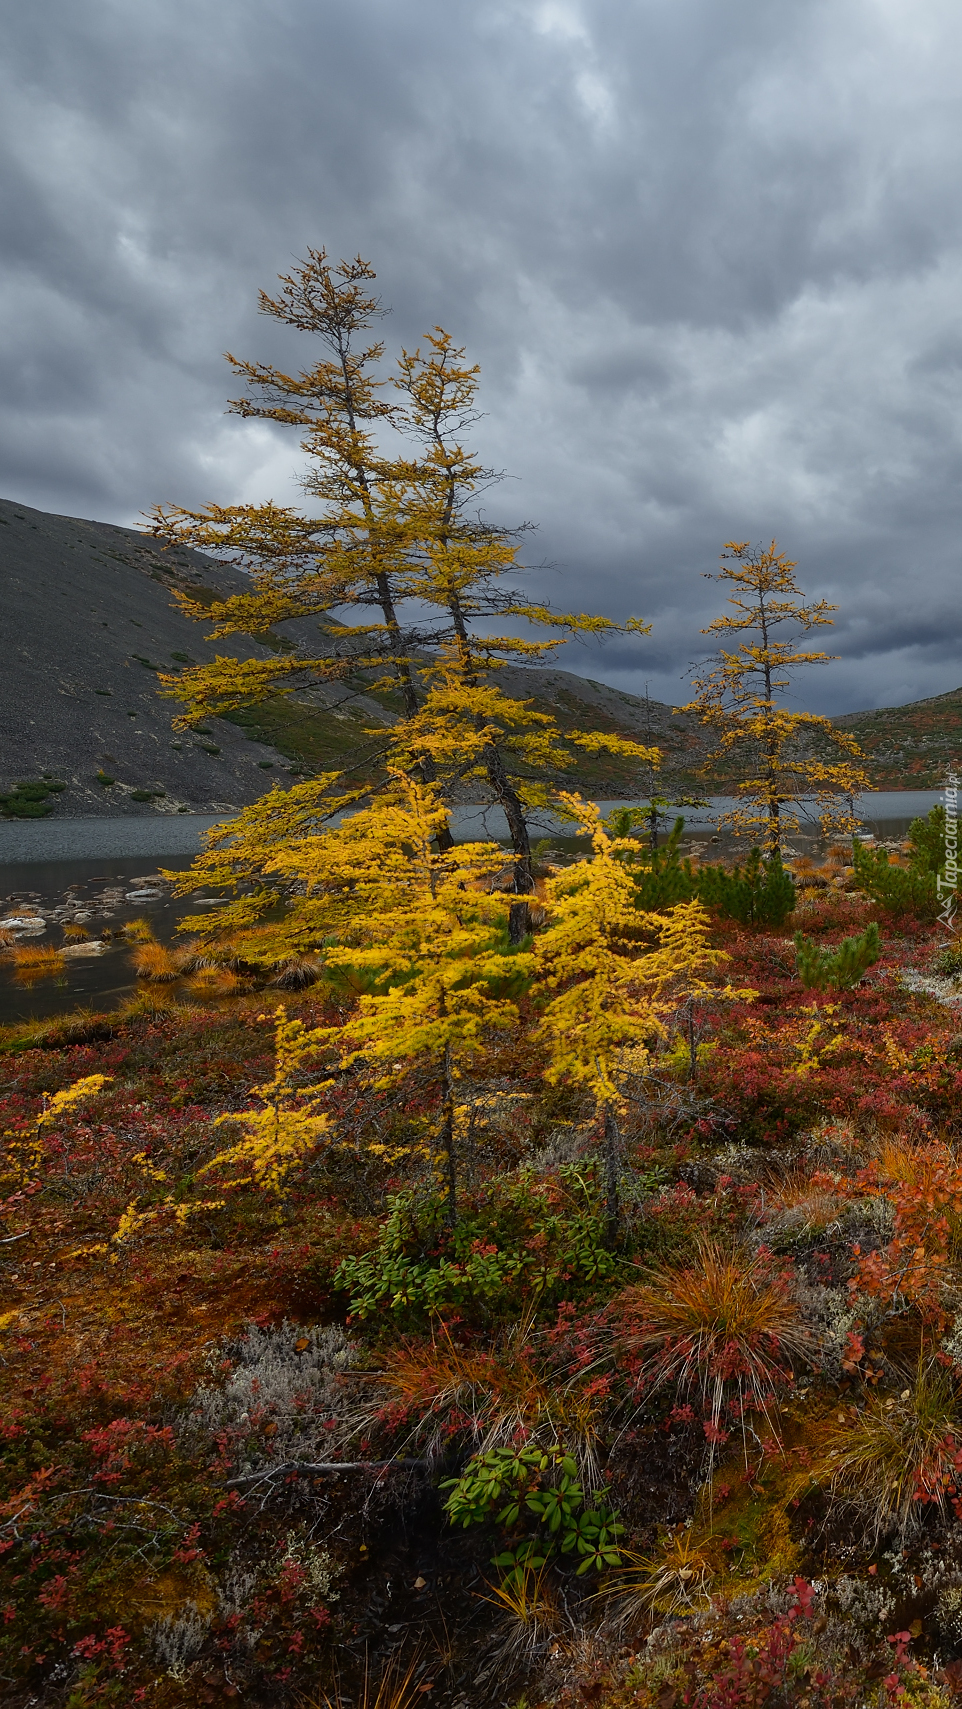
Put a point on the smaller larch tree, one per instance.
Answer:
(741, 697)
(607, 974)
(420, 937)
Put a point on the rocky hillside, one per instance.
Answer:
(910, 747)
(88, 622)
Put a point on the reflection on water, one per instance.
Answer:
(71, 953)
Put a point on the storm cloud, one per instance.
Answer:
(708, 257)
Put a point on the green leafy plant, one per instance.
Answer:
(104, 779)
(520, 1247)
(760, 893)
(911, 889)
(948, 962)
(541, 1482)
(927, 841)
(667, 879)
(840, 968)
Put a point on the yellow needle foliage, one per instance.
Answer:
(399, 551)
(610, 970)
(25, 1149)
(740, 698)
(289, 1122)
(420, 933)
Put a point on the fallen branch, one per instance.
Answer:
(319, 1468)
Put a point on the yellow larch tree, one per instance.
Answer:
(471, 727)
(351, 556)
(395, 538)
(607, 974)
(742, 698)
(423, 934)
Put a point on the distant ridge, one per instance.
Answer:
(89, 617)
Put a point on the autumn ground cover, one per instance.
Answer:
(280, 1428)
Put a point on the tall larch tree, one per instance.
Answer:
(353, 555)
(399, 534)
(471, 727)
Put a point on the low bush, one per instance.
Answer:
(840, 968)
(760, 894)
(541, 1485)
(524, 1245)
(30, 800)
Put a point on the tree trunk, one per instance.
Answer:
(612, 1155)
(447, 1136)
(692, 1040)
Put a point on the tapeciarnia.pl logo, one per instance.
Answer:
(948, 881)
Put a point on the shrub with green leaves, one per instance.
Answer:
(900, 890)
(911, 889)
(760, 893)
(948, 962)
(539, 1484)
(840, 968)
(530, 1242)
(927, 841)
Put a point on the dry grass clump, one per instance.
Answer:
(801, 1203)
(898, 1455)
(297, 972)
(7, 938)
(154, 961)
(721, 1319)
(501, 1394)
(33, 962)
(139, 931)
(394, 1690)
(212, 982)
(530, 1604)
(75, 934)
(676, 1582)
(149, 1004)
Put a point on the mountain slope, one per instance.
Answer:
(913, 746)
(89, 617)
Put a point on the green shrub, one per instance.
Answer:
(539, 1484)
(840, 968)
(759, 894)
(927, 839)
(948, 962)
(30, 799)
(898, 889)
(105, 780)
(527, 1243)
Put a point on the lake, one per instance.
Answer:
(88, 872)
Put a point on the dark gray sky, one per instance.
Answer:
(707, 251)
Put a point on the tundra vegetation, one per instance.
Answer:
(472, 1275)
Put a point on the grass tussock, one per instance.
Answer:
(896, 1456)
(34, 962)
(154, 961)
(722, 1319)
(672, 1583)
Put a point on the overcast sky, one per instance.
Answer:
(707, 253)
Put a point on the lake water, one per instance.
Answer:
(87, 870)
(100, 896)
